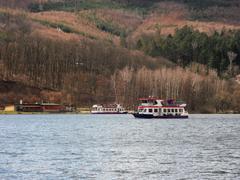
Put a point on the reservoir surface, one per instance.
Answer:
(119, 147)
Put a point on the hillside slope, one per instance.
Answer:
(111, 19)
(93, 52)
(168, 16)
(11, 92)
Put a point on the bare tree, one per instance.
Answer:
(231, 56)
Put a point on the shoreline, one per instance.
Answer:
(41, 113)
(82, 113)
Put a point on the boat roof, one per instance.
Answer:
(50, 104)
(150, 98)
(107, 105)
(142, 107)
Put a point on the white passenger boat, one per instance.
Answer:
(108, 109)
(158, 108)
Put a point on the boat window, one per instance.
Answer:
(172, 110)
(164, 110)
(145, 110)
(155, 110)
(180, 110)
(150, 110)
(176, 110)
(169, 110)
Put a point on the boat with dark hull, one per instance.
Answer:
(157, 108)
(137, 115)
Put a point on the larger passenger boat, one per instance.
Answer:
(108, 109)
(158, 108)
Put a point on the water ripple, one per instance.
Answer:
(119, 147)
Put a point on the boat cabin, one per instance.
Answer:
(165, 111)
(108, 109)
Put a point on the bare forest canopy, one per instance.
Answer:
(208, 10)
(137, 3)
(85, 68)
(220, 10)
(90, 72)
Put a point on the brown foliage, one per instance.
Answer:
(12, 92)
(199, 91)
(169, 16)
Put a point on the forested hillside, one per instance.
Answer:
(84, 52)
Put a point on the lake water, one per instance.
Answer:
(119, 147)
